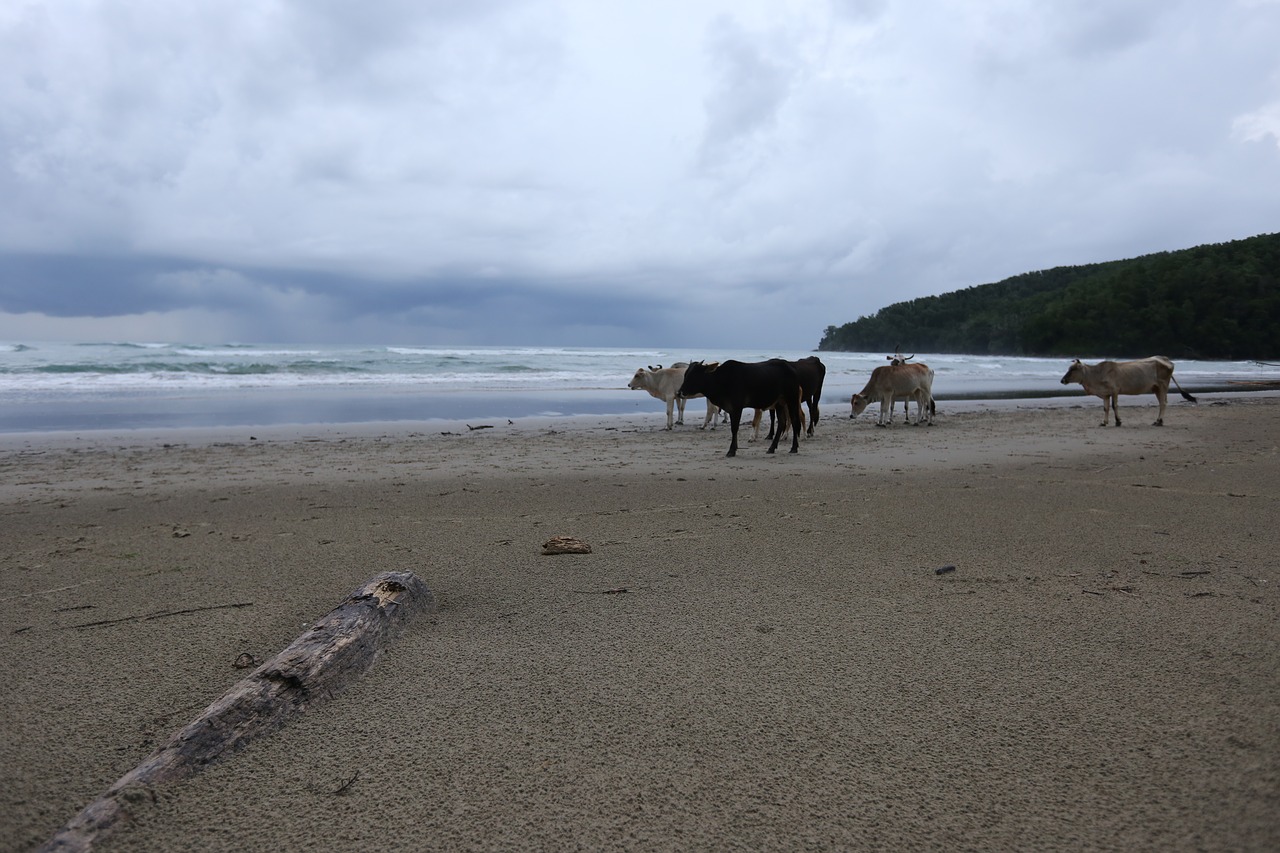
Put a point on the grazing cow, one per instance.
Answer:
(735, 385)
(1110, 379)
(664, 384)
(893, 381)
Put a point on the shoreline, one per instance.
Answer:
(645, 417)
(785, 667)
(43, 411)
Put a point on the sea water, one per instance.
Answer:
(124, 385)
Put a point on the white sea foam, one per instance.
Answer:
(62, 376)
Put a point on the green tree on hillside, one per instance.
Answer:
(1218, 301)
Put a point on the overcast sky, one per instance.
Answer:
(590, 172)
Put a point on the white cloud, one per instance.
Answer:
(1259, 124)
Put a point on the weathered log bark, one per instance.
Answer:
(339, 648)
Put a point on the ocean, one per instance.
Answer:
(134, 385)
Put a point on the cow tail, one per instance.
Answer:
(1184, 394)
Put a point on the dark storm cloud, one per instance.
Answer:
(705, 171)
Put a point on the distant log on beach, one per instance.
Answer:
(340, 647)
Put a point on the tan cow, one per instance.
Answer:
(897, 381)
(777, 420)
(1110, 379)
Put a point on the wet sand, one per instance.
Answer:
(785, 668)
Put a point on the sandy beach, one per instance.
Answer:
(758, 654)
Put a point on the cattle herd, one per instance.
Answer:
(784, 389)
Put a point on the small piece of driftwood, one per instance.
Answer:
(339, 648)
(565, 545)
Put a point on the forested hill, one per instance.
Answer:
(1219, 301)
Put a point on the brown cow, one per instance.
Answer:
(1110, 379)
(897, 381)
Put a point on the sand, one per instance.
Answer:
(784, 670)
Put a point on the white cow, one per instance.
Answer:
(664, 384)
(1110, 379)
(897, 381)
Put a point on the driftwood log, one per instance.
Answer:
(339, 648)
(565, 545)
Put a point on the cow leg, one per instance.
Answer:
(777, 426)
(792, 414)
(886, 408)
(735, 417)
(755, 425)
(1115, 407)
(671, 405)
(813, 414)
(712, 411)
(680, 403)
(1162, 394)
(796, 427)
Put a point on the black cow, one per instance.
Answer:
(735, 385)
(812, 373)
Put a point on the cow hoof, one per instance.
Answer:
(770, 450)
(732, 453)
(1158, 423)
(794, 450)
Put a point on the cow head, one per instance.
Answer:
(1074, 373)
(640, 381)
(695, 378)
(859, 404)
